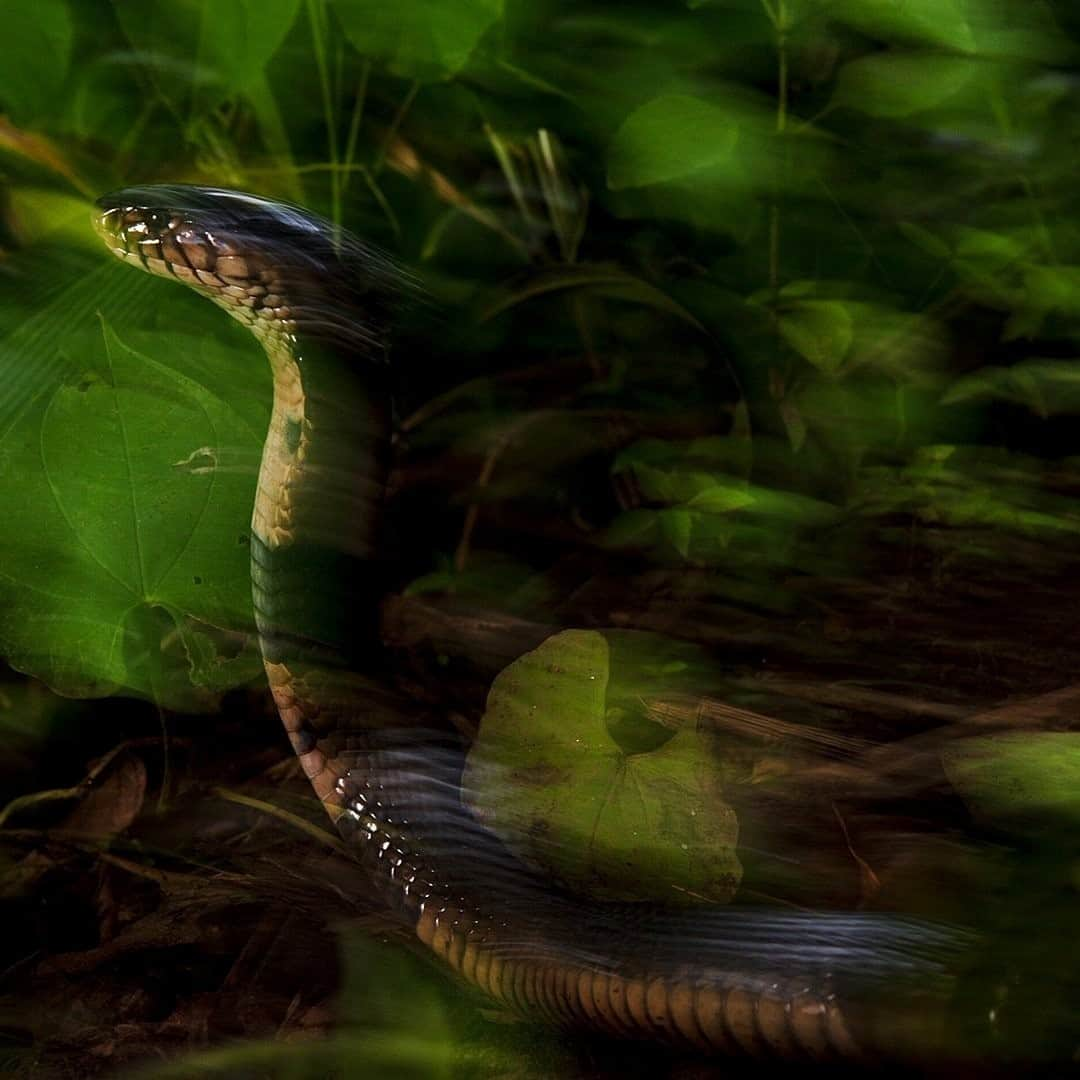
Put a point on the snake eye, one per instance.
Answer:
(157, 219)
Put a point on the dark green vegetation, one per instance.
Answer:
(754, 324)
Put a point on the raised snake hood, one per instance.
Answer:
(271, 265)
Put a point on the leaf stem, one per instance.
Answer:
(779, 20)
(354, 124)
(395, 124)
(316, 13)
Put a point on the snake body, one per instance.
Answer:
(805, 986)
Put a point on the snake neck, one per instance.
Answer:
(315, 571)
(324, 463)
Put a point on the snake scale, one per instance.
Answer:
(819, 986)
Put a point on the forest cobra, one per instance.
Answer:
(720, 981)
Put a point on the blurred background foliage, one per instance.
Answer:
(744, 313)
(721, 285)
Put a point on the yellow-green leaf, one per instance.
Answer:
(820, 331)
(899, 84)
(548, 775)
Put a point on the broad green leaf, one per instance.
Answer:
(668, 138)
(67, 292)
(418, 39)
(37, 52)
(937, 22)
(820, 331)
(127, 493)
(988, 28)
(1025, 781)
(704, 160)
(551, 774)
(202, 51)
(899, 84)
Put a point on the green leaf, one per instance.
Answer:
(676, 525)
(668, 138)
(203, 51)
(1027, 31)
(793, 289)
(1024, 781)
(938, 22)
(1046, 387)
(37, 53)
(923, 238)
(704, 160)
(899, 84)
(408, 1002)
(549, 772)
(425, 40)
(986, 27)
(127, 493)
(45, 215)
(794, 423)
(1046, 290)
(1053, 288)
(820, 331)
(720, 499)
(995, 250)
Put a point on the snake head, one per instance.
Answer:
(275, 267)
(206, 237)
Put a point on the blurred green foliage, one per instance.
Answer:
(726, 284)
(397, 1026)
(748, 290)
(1020, 782)
(398, 1020)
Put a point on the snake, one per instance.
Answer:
(723, 981)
